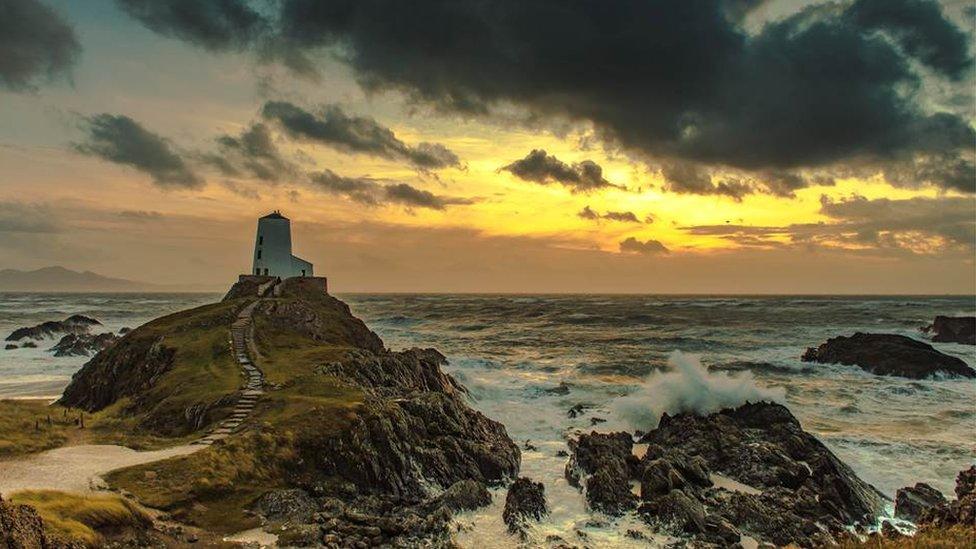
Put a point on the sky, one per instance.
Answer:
(725, 146)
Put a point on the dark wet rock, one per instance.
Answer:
(529, 447)
(559, 390)
(948, 329)
(29, 345)
(889, 531)
(912, 502)
(562, 453)
(466, 495)
(21, 527)
(796, 491)
(9, 346)
(526, 501)
(378, 521)
(889, 355)
(414, 428)
(124, 330)
(603, 464)
(286, 505)
(960, 511)
(597, 420)
(83, 344)
(74, 324)
(577, 410)
(677, 510)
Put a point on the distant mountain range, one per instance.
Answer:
(59, 279)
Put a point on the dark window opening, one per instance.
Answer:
(260, 240)
(259, 254)
(303, 272)
(266, 272)
(257, 272)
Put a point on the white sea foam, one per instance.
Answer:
(688, 387)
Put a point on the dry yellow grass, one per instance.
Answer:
(82, 518)
(937, 538)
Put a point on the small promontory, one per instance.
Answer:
(348, 443)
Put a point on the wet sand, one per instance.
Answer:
(76, 468)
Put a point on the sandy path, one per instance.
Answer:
(76, 468)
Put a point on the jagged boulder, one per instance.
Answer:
(465, 495)
(83, 344)
(525, 501)
(603, 464)
(912, 502)
(949, 329)
(888, 355)
(780, 484)
(961, 511)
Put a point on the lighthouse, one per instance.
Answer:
(272, 249)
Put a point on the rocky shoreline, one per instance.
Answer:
(361, 446)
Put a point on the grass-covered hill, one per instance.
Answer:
(342, 420)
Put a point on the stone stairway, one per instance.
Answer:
(254, 387)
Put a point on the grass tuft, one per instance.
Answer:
(82, 518)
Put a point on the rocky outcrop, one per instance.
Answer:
(912, 502)
(962, 511)
(132, 366)
(74, 324)
(603, 465)
(83, 344)
(292, 505)
(525, 501)
(953, 329)
(465, 495)
(413, 428)
(888, 355)
(777, 484)
(21, 527)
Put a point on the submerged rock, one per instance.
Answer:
(10, 346)
(912, 502)
(526, 501)
(889, 355)
(83, 344)
(953, 329)
(74, 324)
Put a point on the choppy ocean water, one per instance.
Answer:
(527, 360)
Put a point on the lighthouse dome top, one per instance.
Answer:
(274, 215)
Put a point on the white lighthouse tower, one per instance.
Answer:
(272, 249)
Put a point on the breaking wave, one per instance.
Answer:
(689, 387)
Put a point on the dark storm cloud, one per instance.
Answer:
(668, 79)
(623, 217)
(122, 140)
(35, 43)
(900, 225)
(540, 167)
(373, 193)
(686, 178)
(356, 134)
(649, 247)
(253, 152)
(212, 24)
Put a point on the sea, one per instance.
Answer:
(621, 361)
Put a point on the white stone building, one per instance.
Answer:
(272, 249)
